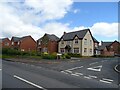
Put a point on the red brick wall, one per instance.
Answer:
(28, 44)
(6, 41)
(52, 46)
(114, 47)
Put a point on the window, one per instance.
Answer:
(22, 50)
(68, 42)
(18, 43)
(62, 42)
(62, 50)
(90, 42)
(76, 50)
(45, 50)
(96, 45)
(85, 50)
(76, 41)
(90, 50)
(85, 41)
(6, 44)
(12, 43)
(39, 42)
(111, 46)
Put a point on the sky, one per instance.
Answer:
(37, 17)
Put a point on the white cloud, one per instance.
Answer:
(56, 28)
(102, 29)
(105, 29)
(76, 11)
(17, 20)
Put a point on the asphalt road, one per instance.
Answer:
(82, 73)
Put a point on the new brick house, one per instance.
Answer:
(48, 43)
(96, 46)
(109, 48)
(5, 43)
(26, 43)
(81, 42)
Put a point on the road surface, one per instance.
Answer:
(83, 73)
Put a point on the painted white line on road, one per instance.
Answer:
(116, 68)
(78, 73)
(96, 68)
(108, 79)
(87, 77)
(64, 72)
(0, 69)
(35, 85)
(75, 68)
(93, 63)
(105, 81)
(92, 76)
(74, 74)
(68, 71)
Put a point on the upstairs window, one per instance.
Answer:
(6, 44)
(85, 41)
(12, 43)
(76, 41)
(90, 42)
(62, 42)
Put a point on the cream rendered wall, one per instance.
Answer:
(60, 45)
(88, 46)
(76, 45)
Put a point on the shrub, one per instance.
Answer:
(49, 56)
(66, 56)
(74, 55)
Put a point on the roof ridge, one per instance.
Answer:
(77, 31)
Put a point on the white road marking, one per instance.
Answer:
(87, 77)
(35, 85)
(93, 63)
(74, 74)
(105, 81)
(0, 69)
(97, 68)
(68, 71)
(92, 76)
(74, 68)
(64, 72)
(116, 68)
(78, 73)
(108, 79)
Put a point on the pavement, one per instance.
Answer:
(80, 73)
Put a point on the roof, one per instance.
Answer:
(51, 37)
(16, 39)
(71, 35)
(95, 40)
(2, 39)
(104, 44)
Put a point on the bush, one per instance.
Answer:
(66, 56)
(74, 55)
(49, 56)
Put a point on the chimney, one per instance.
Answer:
(101, 42)
(64, 33)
